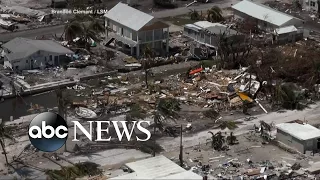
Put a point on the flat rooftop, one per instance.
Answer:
(300, 131)
(158, 167)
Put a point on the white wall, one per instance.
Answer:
(120, 30)
(308, 5)
(39, 60)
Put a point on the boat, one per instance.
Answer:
(86, 113)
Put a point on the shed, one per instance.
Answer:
(158, 167)
(300, 136)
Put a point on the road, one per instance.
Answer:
(310, 114)
(160, 14)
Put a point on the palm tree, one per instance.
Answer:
(62, 107)
(164, 108)
(148, 54)
(232, 140)
(83, 30)
(71, 30)
(217, 140)
(4, 134)
(90, 33)
(214, 14)
(194, 15)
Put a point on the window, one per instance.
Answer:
(27, 61)
(313, 3)
(202, 35)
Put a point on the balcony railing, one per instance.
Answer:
(157, 37)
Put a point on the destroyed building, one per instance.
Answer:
(309, 5)
(135, 30)
(208, 34)
(300, 136)
(26, 12)
(158, 167)
(26, 54)
(265, 17)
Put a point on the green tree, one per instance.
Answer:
(85, 28)
(194, 15)
(217, 140)
(214, 14)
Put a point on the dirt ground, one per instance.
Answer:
(250, 147)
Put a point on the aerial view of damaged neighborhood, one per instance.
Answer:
(159, 89)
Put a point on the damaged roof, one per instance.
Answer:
(23, 47)
(300, 131)
(287, 29)
(262, 12)
(128, 16)
(158, 167)
(214, 28)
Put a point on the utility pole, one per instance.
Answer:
(155, 121)
(181, 148)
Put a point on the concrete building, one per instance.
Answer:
(265, 17)
(302, 137)
(135, 30)
(25, 54)
(158, 167)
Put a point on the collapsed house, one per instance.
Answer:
(27, 54)
(300, 136)
(158, 167)
(8, 25)
(268, 19)
(207, 36)
(136, 30)
(26, 12)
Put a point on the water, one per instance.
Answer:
(46, 100)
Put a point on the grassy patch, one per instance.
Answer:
(179, 20)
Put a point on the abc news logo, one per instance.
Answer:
(48, 131)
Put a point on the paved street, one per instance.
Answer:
(161, 14)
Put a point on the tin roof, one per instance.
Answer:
(262, 12)
(128, 16)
